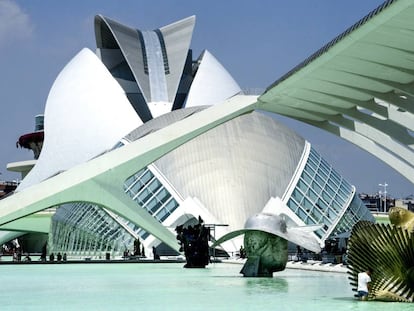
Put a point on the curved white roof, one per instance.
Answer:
(247, 152)
(212, 84)
(84, 88)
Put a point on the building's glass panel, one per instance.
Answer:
(357, 211)
(312, 195)
(297, 195)
(316, 187)
(323, 174)
(293, 205)
(152, 197)
(163, 195)
(321, 204)
(144, 196)
(320, 233)
(325, 167)
(302, 185)
(320, 180)
(326, 196)
(339, 199)
(170, 207)
(310, 220)
(306, 177)
(301, 213)
(138, 181)
(163, 212)
(154, 185)
(317, 215)
(330, 191)
(153, 205)
(336, 178)
(312, 165)
(342, 194)
(335, 207)
(308, 205)
(321, 196)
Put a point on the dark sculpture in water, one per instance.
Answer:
(266, 239)
(194, 243)
(389, 250)
(266, 253)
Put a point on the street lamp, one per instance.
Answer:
(385, 195)
(380, 201)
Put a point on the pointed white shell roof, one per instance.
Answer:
(82, 106)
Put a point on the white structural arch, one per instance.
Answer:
(359, 86)
(94, 181)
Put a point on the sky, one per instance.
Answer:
(256, 41)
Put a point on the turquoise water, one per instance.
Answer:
(159, 286)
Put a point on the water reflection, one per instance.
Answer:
(275, 284)
(171, 287)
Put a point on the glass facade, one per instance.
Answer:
(150, 194)
(84, 229)
(321, 196)
(355, 212)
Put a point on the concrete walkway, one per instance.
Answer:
(310, 265)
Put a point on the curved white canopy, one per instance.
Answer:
(359, 86)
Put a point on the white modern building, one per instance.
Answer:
(140, 137)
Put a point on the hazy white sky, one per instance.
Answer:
(257, 42)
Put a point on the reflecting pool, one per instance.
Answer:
(168, 286)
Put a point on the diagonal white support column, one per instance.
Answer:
(100, 180)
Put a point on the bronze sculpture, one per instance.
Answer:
(389, 250)
(266, 239)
